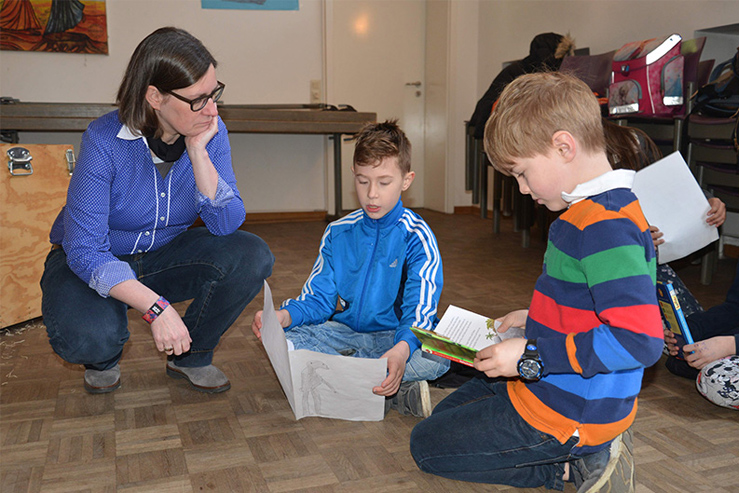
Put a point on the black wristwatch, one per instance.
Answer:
(529, 366)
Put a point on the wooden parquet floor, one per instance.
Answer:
(155, 434)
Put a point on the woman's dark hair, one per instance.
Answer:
(629, 147)
(168, 59)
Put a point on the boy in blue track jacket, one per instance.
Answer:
(378, 273)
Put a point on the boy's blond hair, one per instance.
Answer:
(377, 141)
(535, 106)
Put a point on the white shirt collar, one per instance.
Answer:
(620, 178)
(126, 133)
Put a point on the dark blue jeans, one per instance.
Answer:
(476, 435)
(221, 274)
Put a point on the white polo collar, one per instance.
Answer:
(620, 178)
(126, 133)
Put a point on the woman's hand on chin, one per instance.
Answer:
(197, 142)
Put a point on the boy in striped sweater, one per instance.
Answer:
(593, 324)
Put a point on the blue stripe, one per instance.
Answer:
(599, 386)
(603, 410)
(425, 308)
(610, 352)
(601, 236)
(611, 294)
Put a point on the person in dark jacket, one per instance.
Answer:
(545, 54)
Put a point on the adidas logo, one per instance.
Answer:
(394, 264)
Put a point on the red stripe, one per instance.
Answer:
(641, 319)
(560, 318)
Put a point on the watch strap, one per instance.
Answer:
(156, 309)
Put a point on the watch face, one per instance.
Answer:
(529, 369)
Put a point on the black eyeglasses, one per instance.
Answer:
(198, 104)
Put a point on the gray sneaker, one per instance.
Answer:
(413, 398)
(611, 469)
(102, 381)
(208, 379)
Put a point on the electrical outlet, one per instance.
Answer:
(315, 91)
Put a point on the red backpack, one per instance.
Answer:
(647, 78)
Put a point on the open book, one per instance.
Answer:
(461, 334)
(673, 315)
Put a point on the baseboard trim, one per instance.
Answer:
(470, 209)
(284, 217)
(275, 217)
(731, 251)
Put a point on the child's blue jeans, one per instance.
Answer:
(476, 435)
(336, 338)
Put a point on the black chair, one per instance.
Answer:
(713, 159)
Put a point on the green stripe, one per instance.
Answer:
(617, 263)
(603, 266)
(562, 266)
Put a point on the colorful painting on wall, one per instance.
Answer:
(251, 4)
(67, 26)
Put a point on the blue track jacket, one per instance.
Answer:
(385, 274)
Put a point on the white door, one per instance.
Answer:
(375, 62)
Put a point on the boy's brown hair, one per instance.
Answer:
(535, 106)
(377, 141)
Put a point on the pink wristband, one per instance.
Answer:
(156, 309)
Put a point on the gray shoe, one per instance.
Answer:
(102, 381)
(611, 469)
(413, 398)
(207, 379)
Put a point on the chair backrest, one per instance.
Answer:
(704, 72)
(691, 51)
(694, 45)
(594, 70)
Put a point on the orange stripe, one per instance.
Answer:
(587, 212)
(580, 214)
(633, 211)
(571, 350)
(538, 414)
(595, 434)
(548, 421)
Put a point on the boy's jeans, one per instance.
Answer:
(476, 435)
(336, 338)
(221, 274)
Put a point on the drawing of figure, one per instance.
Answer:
(18, 15)
(310, 380)
(64, 15)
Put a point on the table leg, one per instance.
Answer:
(338, 207)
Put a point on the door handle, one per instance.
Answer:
(415, 84)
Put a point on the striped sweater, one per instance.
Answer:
(594, 313)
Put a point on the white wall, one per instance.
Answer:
(451, 63)
(270, 57)
(264, 57)
(438, 24)
(506, 28)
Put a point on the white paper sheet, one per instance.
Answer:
(318, 384)
(471, 329)
(673, 201)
